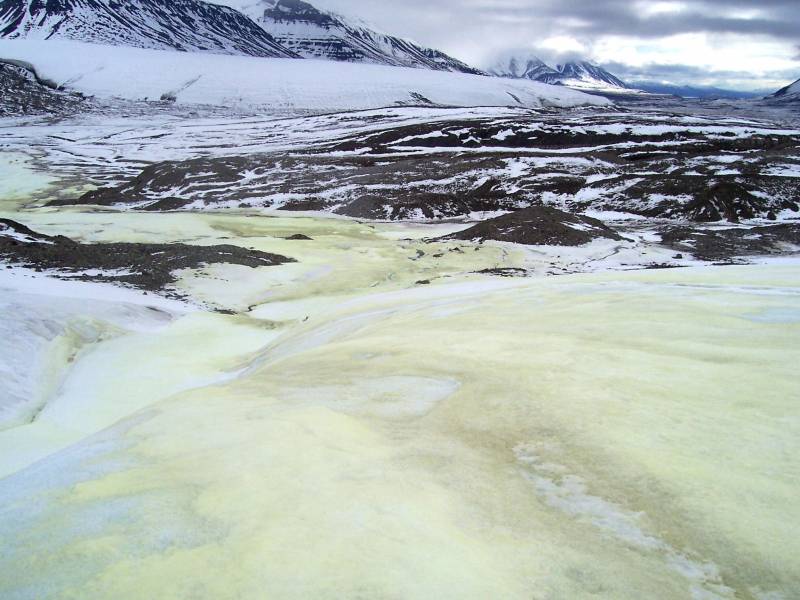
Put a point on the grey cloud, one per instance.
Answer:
(777, 18)
(677, 74)
(476, 30)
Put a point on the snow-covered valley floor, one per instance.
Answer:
(399, 412)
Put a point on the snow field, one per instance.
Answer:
(276, 84)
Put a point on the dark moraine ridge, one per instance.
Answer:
(146, 266)
(21, 94)
(728, 244)
(651, 165)
(538, 226)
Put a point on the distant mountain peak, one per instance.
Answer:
(587, 73)
(580, 74)
(521, 67)
(320, 34)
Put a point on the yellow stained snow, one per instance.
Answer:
(600, 436)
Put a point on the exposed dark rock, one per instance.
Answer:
(307, 204)
(724, 200)
(675, 172)
(726, 244)
(167, 204)
(22, 94)
(299, 237)
(504, 272)
(145, 266)
(171, 183)
(538, 226)
(188, 25)
(706, 199)
(418, 203)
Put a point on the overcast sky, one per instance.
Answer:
(742, 44)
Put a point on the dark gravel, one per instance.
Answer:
(150, 266)
(538, 226)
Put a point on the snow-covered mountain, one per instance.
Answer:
(584, 74)
(314, 33)
(532, 68)
(790, 91)
(187, 25)
(580, 74)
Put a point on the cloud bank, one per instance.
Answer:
(744, 44)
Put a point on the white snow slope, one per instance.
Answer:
(789, 90)
(278, 84)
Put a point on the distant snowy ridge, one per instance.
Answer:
(186, 25)
(314, 33)
(690, 91)
(275, 84)
(523, 68)
(789, 90)
(580, 74)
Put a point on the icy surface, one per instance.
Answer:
(482, 437)
(277, 84)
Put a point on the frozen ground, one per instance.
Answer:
(663, 179)
(392, 415)
(530, 430)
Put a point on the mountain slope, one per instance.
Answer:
(187, 25)
(785, 97)
(532, 68)
(584, 74)
(313, 33)
(580, 74)
(789, 90)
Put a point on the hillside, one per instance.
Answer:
(185, 25)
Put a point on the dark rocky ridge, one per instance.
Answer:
(728, 244)
(22, 94)
(788, 96)
(145, 266)
(790, 89)
(538, 226)
(186, 25)
(456, 168)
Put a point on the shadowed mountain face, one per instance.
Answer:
(314, 33)
(785, 97)
(186, 25)
(793, 89)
